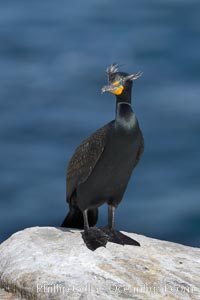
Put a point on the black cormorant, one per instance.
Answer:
(102, 164)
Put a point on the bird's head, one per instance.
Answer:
(120, 83)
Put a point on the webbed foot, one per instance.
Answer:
(115, 236)
(94, 238)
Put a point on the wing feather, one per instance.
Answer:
(85, 158)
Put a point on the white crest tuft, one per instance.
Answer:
(112, 69)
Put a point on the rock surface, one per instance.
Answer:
(54, 263)
(8, 296)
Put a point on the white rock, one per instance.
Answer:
(54, 263)
(7, 296)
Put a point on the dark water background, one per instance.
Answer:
(53, 56)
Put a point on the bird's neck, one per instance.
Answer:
(124, 97)
(125, 117)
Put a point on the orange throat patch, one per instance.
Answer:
(118, 91)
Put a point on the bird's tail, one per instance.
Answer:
(74, 218)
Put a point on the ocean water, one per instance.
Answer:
(53, 56)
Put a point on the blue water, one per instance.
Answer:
(53, 56)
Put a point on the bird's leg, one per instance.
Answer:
(111, 216)
(85, 217)
(109, 229)
(92, 236)
(116, 236)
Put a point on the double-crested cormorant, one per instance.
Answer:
(102, 164)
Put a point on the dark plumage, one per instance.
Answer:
(102, 164)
